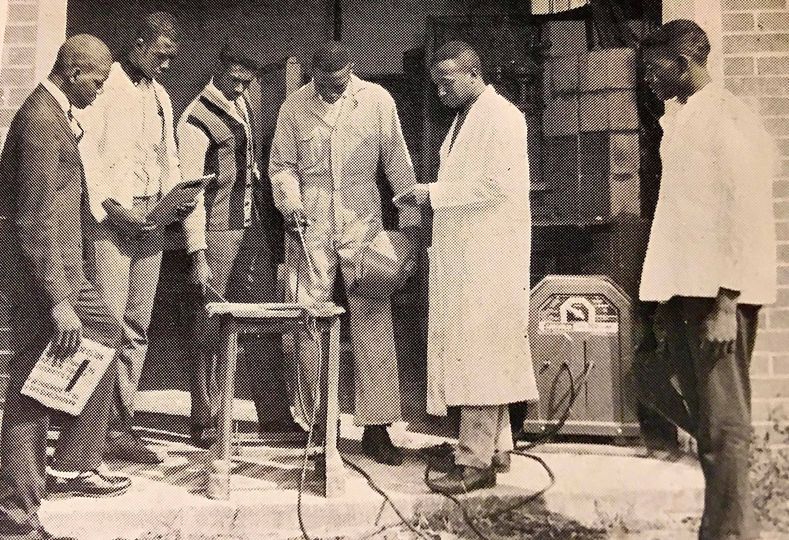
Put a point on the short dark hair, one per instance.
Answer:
(156, 24)
(681, 36)
(459, 51)
(235, 53)
(330, 57)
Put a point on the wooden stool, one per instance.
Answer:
(236, 319)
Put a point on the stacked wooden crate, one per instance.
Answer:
(591, 129)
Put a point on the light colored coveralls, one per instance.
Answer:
(324, 161)
(478, 349)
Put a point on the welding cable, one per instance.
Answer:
(574, 393)
(375, 487)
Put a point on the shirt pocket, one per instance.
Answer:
(313, 149)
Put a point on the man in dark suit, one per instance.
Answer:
(51, 300)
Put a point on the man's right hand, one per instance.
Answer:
(128, 222)
(68, 330)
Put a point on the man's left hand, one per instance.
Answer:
(416, 195)
(720, 325)
(185, 209)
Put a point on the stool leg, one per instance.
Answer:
(334, 480)
(227, 357)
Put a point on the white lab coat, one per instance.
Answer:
(478, 349)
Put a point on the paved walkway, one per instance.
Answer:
(619, 489)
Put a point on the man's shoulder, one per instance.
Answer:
(373, 91)
(37, 112)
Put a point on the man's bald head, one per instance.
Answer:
(331, 70)
(84, 52)
(82, 65)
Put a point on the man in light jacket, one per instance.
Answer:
(478, 350)
(711, 264)
(131, 161)
(331, 137)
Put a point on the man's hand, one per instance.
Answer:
(128, 222)
(720, 325)
(297, 220)
(68, 330)
(183, 211)
(416, 195)
(199, 272)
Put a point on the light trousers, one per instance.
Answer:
(484, 431)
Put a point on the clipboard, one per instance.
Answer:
(184, 192)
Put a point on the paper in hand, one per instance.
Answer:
(66, 385)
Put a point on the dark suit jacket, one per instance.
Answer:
(41, 181)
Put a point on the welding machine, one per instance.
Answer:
(582, 335)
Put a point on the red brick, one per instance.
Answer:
(774, 106)
(17, 77)
(23, 13)
(760, 364)
(778, 318)
(19, 56)
(772, 341)
(761, 409)
(738, 22)
(781, 209)
(774, 65)
(783, 297)
(20, 34)
(781, 188)
(783, 253)
(15, 97)
(770, 387)
(780, 364)
(782, 231)
(751, 5)
(738, 65)
(758, 86)
(779, 127)
(783, 146)
(773, 22)
(744, 43)
(784, 169)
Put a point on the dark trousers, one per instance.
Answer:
(243, 270)
(23, 457)
(713, 404)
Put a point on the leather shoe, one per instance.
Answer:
(377, 445)
(463, 480)
(128, 446)
(442, 459)
(203, 436)
(89, 484)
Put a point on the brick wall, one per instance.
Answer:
(756, 67)
(17, 77)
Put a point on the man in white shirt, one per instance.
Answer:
(131, 161)
(711, 264)
(227, 239)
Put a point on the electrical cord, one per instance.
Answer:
(523, 451)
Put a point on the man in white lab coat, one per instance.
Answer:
(711, 263)
(131, 161)
(332, 136)
(478, 350)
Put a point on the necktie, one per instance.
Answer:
(76, 127)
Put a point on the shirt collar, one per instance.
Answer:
(216, 95)
(350, 89)
(133, 72)
(58, 94)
